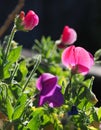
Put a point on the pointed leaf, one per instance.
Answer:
(14, 54)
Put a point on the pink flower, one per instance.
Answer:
(68, 37)
(77, 59)
(27, 22)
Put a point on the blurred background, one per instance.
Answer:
(82, 15)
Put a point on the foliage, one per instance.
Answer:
(19, 96)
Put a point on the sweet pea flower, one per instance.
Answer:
(50, 91)
(68, 37)
(27, 22)
(77, 59)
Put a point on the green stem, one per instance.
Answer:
(38, 60)
(14, 71)
(68, 91)
(9, 42)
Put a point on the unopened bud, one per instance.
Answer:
(26, 22)
(91, 96)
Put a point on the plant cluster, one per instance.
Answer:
(50, 90)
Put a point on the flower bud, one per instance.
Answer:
(68, 37)
(26, 22)
(13, 44)
(91, 96)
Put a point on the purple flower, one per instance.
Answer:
(50, 91)
(73, 111)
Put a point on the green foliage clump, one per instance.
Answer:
(19, 108)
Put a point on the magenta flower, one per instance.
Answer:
(27, 22)
(68, 37)
(77, 59)
(50, 91)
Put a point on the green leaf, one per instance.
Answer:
(23, 68)
(97, 54)
(22, 99)
(99, 113)
(14, 54)
(19, 109)
(16, 90)
(1, 56)
(6, 71)
(22, 71)
(10, 108)
(93, 115)
(12, 58)
(91, 97)
(35, 122)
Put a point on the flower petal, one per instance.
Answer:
(45, 79)
(31, 20)
(54, 100)
(69, 35)
(77, 58)
(83, 58)
(68, 56)
(49, 86)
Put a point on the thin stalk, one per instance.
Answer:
(14, 71)
(9, 42)
(38, 60)
(68, 90)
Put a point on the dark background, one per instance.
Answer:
(82, 15)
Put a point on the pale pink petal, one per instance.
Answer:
(82, 69)
(91, 59)
(69, 35)
(83, 57)
(68, 56)
(77, 59)
(73, 36)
